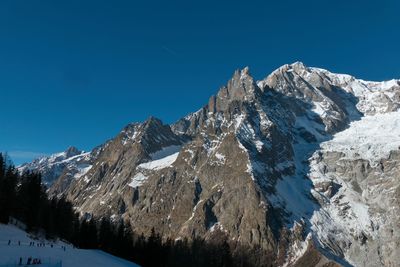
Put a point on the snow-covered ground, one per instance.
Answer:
(71, 257)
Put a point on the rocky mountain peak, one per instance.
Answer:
(72, 151)
(152, 133)
(241, 87)
(298, 64)
(241, 74)
(153, 121)
(154, 125)
(297, 67)
(286, 73)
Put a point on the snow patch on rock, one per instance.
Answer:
(165, 152)
(160, 163)
(138, 180)
(82, 170)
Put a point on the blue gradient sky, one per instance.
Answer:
(76, 72)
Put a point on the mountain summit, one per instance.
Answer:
(303, 164)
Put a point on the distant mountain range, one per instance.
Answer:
(304, 164)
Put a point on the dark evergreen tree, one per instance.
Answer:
(30, 196)
(88, 234)
(105, 236)
(64, 217)
(8, 182)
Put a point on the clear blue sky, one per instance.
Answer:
(76, 72)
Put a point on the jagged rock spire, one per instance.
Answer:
(240, 87)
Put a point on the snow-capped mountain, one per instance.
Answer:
(71, 162)
(60, 169)
(304, 164)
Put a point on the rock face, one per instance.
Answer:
(304, 164)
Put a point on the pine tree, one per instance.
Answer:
(2, 166)
(30, 196)
(8, 182)
(105, 236)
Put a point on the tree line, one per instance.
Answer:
(24, 197)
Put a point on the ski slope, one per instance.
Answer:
(51, 257)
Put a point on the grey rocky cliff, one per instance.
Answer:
(262, 164)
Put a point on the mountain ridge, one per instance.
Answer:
(248, 165)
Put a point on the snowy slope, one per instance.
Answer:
(371, 138)
(71, 257)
